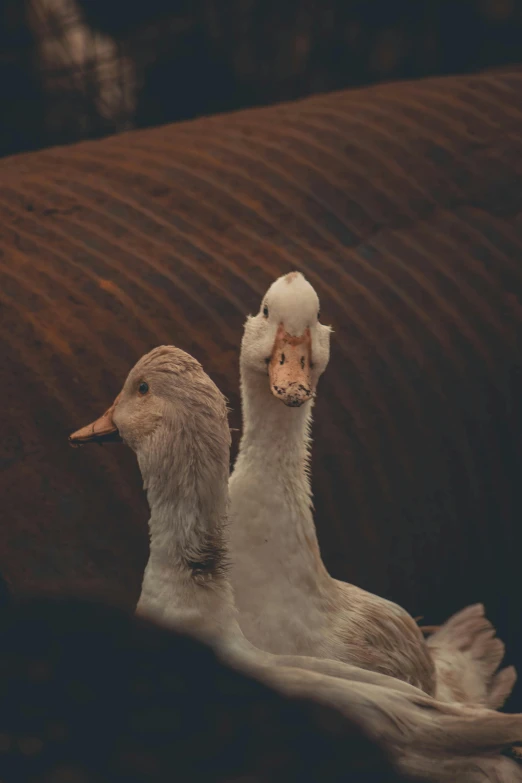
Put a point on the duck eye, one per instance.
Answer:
(265, 311)
(143, 387)
(319, 314)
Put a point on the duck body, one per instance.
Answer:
(287, 601)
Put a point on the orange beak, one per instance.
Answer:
(290, 368)
(103, 430)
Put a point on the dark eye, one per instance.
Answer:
(265, 311)
(143, 387)
(319, 314)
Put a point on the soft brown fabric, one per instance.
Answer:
(402, 205)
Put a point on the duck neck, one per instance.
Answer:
(190, 543)
(186, 577)
(275, 448)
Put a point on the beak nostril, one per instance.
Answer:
(302, 362)
(282, 359)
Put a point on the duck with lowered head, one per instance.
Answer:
(175, 419)
(287, 601)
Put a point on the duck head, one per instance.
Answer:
(287, 341)
(169, 412)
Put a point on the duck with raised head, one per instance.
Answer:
(175, 419)
(287, 601)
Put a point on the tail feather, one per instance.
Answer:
(501, 687)
(467, 655)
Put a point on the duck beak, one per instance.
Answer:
(103, 430)
(290, 368)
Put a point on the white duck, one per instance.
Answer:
(287, 601)
(173, 416)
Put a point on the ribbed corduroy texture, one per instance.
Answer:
(403, 206)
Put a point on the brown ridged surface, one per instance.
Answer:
(403, 206)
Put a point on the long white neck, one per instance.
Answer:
(272, 469)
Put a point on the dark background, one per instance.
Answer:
(205, 56)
